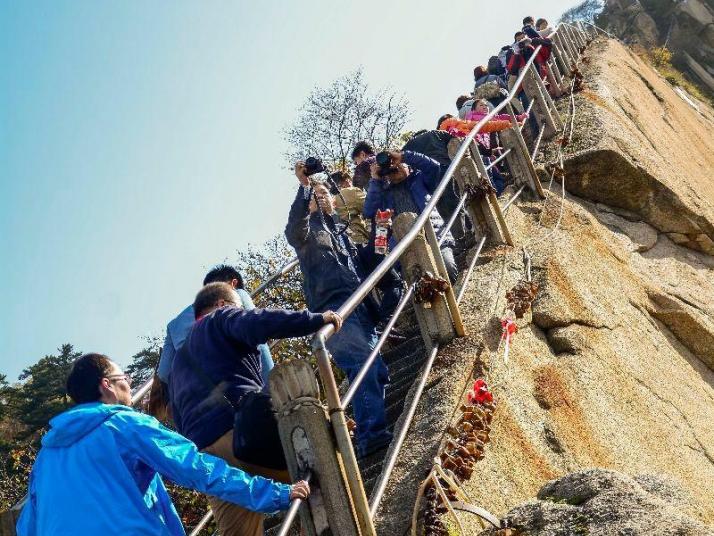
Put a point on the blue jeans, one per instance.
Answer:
(350, 347)
(390, 285)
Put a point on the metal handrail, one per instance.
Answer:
(202, 524)
(397, 444)
(470, 269)
(391, 259)
(507, 204)
(335, 405)
(286, 268)
(497, 160)
(536, 145)
(292, 512)
(368, 285)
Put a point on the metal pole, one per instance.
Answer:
(536, 146)
(470, 269)
(397, 444)
(503, 155)
(342, 436)
(287, 267)
(292, 512)
(137, 395)
(507, 204)
(354, 385)
(202, 524)
(445, 230)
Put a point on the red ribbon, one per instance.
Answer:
(509, 329)
(480, 393)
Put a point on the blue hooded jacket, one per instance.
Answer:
(98, 473)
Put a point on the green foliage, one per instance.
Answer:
(15, 467)
(661, 57)
(144, 362)
(42, 394)
(190, 505)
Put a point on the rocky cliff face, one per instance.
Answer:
(614, 366)
(685, 26)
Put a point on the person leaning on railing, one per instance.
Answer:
(178, 329)
(407, 186)
(217, 390)
(332, 270)
(100, 466)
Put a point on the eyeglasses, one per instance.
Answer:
(117, 377)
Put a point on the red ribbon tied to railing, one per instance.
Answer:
(509, 328)
(479, 394)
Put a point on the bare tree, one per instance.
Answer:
(333, 119)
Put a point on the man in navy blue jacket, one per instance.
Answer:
(216, 384)
(407, 188)
(332, 271)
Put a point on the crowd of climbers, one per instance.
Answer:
(98, 471)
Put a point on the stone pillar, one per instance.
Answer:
(434, 317)
(544, 110)
(309, 446)
(519, 159)
(482, 205)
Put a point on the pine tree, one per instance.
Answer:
(42, 393)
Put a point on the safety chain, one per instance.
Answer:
(463, 446)
(428, 287)
(521, 296)
(477, 192)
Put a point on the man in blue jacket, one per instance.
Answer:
(217, 390)
(332, 271)
(98, 471)
(178, 329)
(407, 187)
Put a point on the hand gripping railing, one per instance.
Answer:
(336, 407)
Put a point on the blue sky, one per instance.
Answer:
(140, 142)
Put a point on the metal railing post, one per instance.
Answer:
(342, 436)
(481, 203)
(435, 318)
(519, 159)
